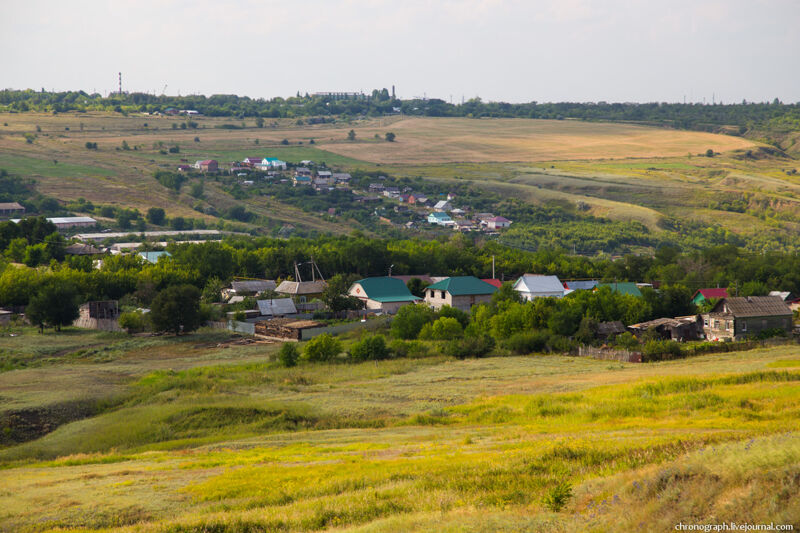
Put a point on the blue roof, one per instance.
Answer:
(438, 214)
(585, 285)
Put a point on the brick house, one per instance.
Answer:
(741, 317)
(461, 292)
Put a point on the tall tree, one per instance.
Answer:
(55, 304)
(176, 309)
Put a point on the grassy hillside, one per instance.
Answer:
(655, 176)
(200, 435)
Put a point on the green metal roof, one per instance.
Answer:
(385, 289)
(463, 286)
(623, 287)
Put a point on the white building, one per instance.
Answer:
(531, 286)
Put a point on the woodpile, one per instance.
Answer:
(284, 328)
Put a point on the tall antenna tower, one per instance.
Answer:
(120, 83)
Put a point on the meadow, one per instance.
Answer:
(196, 434)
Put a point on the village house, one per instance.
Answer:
(302, 291)
(273, 163)
(251, 162)
(323, 179)
(302, 171)
(531, 286)
(440, 218)
(341, 177)
(249, 287)
(417, 199)
(443, 206)
(277, 307)
(184, 168)
(382, 294)
(461, 292)
(11, 209)
(208, 165)
(496, 222)
(101, 315)
(740, 317)
(703, 295)
(581, 285)
(300, 179)
(682, 328)
(622, 287)
(377, 187)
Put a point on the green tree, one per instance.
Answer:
(446, 328)
(417, 287)
(156, 216)
(351, 135)
(335, 294)
(754, 288)
(288, 354)
(410, 319)
(176, 309)
(134, 321)
(322, 348)
(55, 304)
(506, 293)
(16, 249)
(390, 136)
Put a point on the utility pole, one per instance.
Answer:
(120, 83)
(493, 267)
(390, 270)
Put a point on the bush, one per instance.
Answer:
(134, 321)
(446, 328)
(410, 319)
(288, 354)
(660, 350)
(371, 348)
(469, 347)
(322, 348)
(627, 341)
(458, 314)
(526, 342)
(412, 349)
(156, 216)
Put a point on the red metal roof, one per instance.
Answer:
(712, 293)
(496, 282)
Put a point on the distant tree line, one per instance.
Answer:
(693, 116)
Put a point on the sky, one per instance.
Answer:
(499, 50)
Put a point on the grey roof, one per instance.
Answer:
(753, 306)
(584, 285)
(82, 249)
(783, 295)
(535, 283)
(253, 285)
(279, 306)
(301, 287)
(611, 328)
(10, 205)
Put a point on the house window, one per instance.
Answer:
(705, 322)
(728, 325)
(442, 295)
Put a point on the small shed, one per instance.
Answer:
(284, 328)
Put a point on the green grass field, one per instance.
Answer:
(192, 434)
